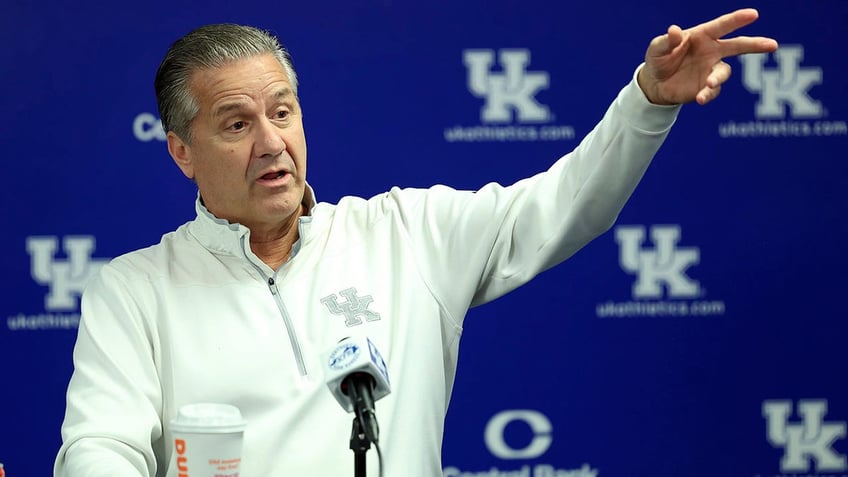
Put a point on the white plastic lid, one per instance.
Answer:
(208, 418)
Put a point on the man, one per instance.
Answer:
(236, 306)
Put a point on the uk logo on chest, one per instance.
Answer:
(352, 306)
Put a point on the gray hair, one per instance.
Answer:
(209, 46)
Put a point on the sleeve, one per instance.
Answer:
(111, 417)
(474, 247)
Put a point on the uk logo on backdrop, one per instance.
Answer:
(499, 436)
(807, 438)
(787, 95)
(510, 110)
(63, 266)
(660, 264)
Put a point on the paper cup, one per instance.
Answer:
(207, 440)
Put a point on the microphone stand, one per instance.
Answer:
(359, 444)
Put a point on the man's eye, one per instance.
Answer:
(282, 114)
(237, 125)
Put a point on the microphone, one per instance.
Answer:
(356, 374)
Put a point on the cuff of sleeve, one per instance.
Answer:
(641, 113)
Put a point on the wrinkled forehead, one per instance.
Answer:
(254, 78)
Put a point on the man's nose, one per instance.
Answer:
(268, 139)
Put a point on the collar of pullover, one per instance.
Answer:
(223, 236)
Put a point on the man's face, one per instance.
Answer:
(248, 150)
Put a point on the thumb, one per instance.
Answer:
(665, 44)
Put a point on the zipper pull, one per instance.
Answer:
(272, 285)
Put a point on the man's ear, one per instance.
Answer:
(181, 154)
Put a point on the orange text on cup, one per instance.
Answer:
(182, 461)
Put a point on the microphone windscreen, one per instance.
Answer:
(354, 355)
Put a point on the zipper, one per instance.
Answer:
(298, 352)
(272, 285)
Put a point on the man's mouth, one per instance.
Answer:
(272, 176)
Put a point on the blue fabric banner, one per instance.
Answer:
(701, 336)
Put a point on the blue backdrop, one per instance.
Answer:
(702, 336)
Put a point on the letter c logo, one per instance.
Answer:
(147, 127)
(539, 424)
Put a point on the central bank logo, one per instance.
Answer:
(513, 90)
(147, 127)
(805, 442)
(659, 267)
(786, 86)
(66, 277)
(504, 436)
(538, 423)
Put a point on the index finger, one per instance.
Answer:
(721, 26)
(742, 45)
